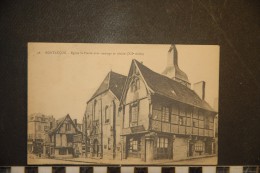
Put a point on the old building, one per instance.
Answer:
(162, 117)
(38, 124)
(64, 140)
(102, 130)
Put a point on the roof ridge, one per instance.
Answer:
(117, 73)
(164, 85)
(161, 74)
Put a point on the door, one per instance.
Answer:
(95, 148)
(191, 149)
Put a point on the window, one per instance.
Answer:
(95, 110)
(107, 114)
(156, 114)
(135, 85)
(67, 127)
(195, 123)
(162, 142)
(109, 144)
(62, 151)
(134, 113)
(165, 114)
(175, 114)
(134, 145)
(174, 119)
(206, 122)
(199, 147)
(39, 127)
(181, 121)
(188, 122)
(163, 152)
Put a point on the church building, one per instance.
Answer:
(102, 122)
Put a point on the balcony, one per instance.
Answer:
(179, 129)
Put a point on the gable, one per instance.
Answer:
(113, 82)
(61, 122)
(135, 86)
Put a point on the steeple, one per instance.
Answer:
(172, 69)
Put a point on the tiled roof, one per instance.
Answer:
(169, 88)
(114, 82)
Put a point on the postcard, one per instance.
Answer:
(135, 104)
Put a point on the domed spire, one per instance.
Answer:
(172, 69)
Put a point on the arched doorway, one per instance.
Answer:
(95, 147)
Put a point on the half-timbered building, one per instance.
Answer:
(102, 123)
(64, 140)
(162, 117)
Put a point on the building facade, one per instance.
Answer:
(162, 118)
(38, 125)
(102, 122)
(64, 140)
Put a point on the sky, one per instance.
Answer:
(63, 76)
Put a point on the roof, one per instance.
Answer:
(114, 82)
(60, 122)
(169, 88)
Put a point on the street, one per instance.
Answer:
(79, 161)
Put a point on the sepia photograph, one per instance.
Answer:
(137, 104)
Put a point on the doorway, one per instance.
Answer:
(95, 148)
(191, 146)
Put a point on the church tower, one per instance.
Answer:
(172, 69)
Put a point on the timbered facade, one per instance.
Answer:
(102, 123)
(64, 140)
(162, 118)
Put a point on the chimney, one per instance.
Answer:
(199, 88)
